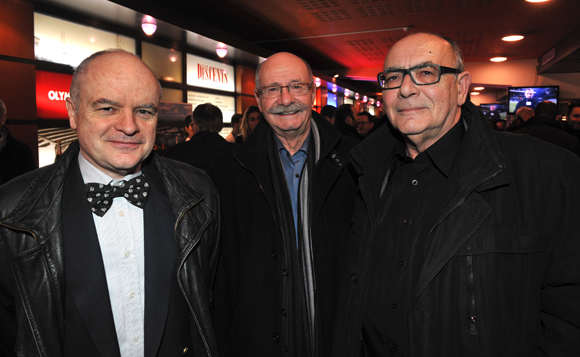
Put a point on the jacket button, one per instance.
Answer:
(354, 278)
(284, 313)
(274, 254)
(401, 263)
(276, 338)
(285, 272)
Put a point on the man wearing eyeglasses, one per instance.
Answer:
(287, 199)
(465, 241)
(366, 122)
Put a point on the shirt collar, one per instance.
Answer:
(92, 174)
(303, 148)
(444, 152)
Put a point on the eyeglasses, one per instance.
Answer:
(363, 122)
(420, 75)
(276, 91)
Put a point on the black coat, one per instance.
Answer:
(549, 130)
(16, 158)
(505, 250)
(201, 150)
(251, 318)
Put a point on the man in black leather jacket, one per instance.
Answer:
(67, 285)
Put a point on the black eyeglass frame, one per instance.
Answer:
(442, 70)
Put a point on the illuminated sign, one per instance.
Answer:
(205, 73)
(52, 89)
(226, 104)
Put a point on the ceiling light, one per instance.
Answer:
(378, 103)
(346, 92)
(474, 93)
(536, 0)
(371, 101)
(334, 88)
(335, 75)
(356, 96)
(317, 81)
(479, 88)
(149, 25)
(365, 99)
(512, 38)
(498, 59)
(221, 49)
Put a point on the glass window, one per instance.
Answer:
(165, 62)
(60, 41)
(172, 95)
(226, 104)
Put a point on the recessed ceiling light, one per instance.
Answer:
(498, 59)
(512, 38)
(536, 0)
(479, 88)
(474, 93)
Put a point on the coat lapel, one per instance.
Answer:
(84, 269)
(160, 260)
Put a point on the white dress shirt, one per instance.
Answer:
(121, 238)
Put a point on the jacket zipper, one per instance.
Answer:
(471, 296)
(181, 267)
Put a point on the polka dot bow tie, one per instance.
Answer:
(100, 197)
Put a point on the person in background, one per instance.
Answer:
(110, 251)
(522, 115)
(544, 125)
(287, 196)
(465, 241)
(328, 113)
(236, 122)
(251, 117)
(16, 157)
(345, 121)
(572, 124)
(365, 123)
(206, 143)
(189, 127)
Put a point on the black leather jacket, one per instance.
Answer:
(32, 262)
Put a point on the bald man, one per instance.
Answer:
(287, 198)
(110, 251)
(465, 241)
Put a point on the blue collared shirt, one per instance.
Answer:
(293, 166)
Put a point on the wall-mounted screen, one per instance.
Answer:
(530, 96)
(494, 111)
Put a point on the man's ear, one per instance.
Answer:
(464, 81)
(71, 110)
(257, 95)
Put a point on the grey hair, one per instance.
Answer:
(457, 53)
(82, 69)
(303, 61)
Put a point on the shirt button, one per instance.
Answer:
(274, 254)
(276, 338)
(394, 306)
(414, 182)
(185, 350)
(297, 175)
(121, 213)
(285, 272)
(401, 263)
(284, 312)
(354, 278)
(406, 221)
(127, 255)
(132, 295)
(285, 349)
(136, 338)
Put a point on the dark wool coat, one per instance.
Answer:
(200, 151)
(251, 318)
(506, 251)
